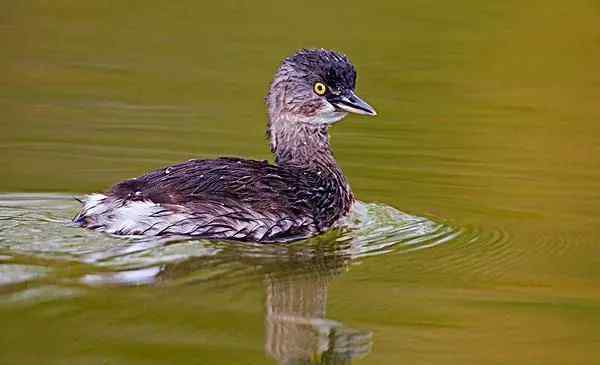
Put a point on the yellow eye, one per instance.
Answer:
(320, 88)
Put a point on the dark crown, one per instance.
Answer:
(332, 68)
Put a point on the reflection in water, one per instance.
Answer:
(297, 331)
(295, 283)
(34, 232)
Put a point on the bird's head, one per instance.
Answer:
(315, 86)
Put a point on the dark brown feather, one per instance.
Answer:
(302, 202)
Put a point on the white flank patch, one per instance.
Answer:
(118, 216)
(129, 217)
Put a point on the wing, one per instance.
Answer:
(254, 184)
(226, 198)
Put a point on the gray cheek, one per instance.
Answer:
(332, 117)
(307, 107)
(326, 114)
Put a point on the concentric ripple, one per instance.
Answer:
(373, 229)
(35, 234)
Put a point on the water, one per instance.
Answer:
(40, 226)
(476, 240)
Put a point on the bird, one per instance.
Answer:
(303, 194)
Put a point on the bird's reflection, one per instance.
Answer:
(297, 330)
(296, 280)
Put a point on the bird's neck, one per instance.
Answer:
(306, 146)
(301, 144)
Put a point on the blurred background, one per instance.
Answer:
(488, 121)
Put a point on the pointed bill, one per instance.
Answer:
(351, 103)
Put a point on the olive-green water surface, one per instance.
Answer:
(476, 241)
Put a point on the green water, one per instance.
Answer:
(487, 145)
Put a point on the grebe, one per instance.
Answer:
(228, 198)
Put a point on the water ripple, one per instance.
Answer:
(36, 227)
